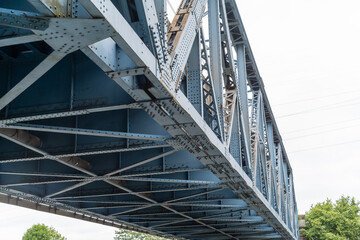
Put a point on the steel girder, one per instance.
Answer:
(174, 151)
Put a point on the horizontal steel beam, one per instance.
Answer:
(22, 19)
(85, 132)
(70, 113)
(42, 174)
(180, 181)
(87, 180)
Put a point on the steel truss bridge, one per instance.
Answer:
(111, 113)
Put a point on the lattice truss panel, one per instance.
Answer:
(111, 113)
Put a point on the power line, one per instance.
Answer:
(317, 133)
(171, 6)
(324, 146)
(324, 107)
(315, 98)
(323, 125)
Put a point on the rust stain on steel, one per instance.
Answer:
(61, 8)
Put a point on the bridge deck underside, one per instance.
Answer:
(151, 168)
(130, 155)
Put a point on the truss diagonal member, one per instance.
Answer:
(171, 209)
(113, 173)
(73, 162)
(158, 213)
(170, 201)
(142, 162)
(165, 172)
(19, 40)
(200, 218)
(31, 78)
(229, 111)
(41, 183)
(77, 185)
(86, 132)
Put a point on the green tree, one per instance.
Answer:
(42, 232)
(333, 221)
(123, 234)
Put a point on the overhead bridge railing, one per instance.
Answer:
(188, 81)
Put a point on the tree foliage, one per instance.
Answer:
(42, 232)
(333, 221)
(123, 234)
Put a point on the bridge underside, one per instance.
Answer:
(108, 116)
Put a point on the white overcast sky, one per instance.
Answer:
(308, 55)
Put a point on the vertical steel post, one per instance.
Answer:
(194, 81)
(242, 86)
(243, 99)
(216, 56)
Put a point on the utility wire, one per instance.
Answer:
(315, 98)
(324, 146)
(323, 125)
(171, 6)
(324, 107)
(317, 133)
